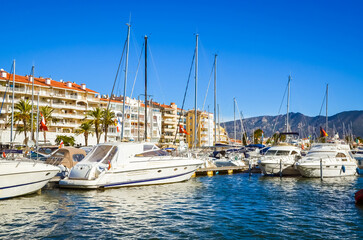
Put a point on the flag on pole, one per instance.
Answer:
(109, 165)
(61, 144)
(182, 130)
(117, 125)
(4, 155)
(43, 126)
(322, 132)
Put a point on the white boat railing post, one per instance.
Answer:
(321, 169)
(280, 168)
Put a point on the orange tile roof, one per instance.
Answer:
(41, 82)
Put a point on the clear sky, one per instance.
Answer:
(259, 43)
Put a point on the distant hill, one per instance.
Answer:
(343, 123)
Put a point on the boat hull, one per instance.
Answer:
(21, 178)
(134, 177)
(273, 169)
(331, 170)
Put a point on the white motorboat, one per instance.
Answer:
(334, 159)
(358, 155)
(20, 177)
(280, 158)
(111, 165)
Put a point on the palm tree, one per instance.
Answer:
(107, 120)
(85, 129)
(47, 114)
(23, 115)
(96, 120)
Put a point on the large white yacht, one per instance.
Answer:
(280, 158)
(358, 155)
(20, 177)
(121, 164)
(335, 158)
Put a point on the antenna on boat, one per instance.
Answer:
(125, 83)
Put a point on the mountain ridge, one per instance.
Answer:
(343, 123)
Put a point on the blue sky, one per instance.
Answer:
(259, 43)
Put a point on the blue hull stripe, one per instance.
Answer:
(24, 184)
(145, 180)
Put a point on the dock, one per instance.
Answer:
(224, 170)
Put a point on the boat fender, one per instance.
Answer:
(343, 168)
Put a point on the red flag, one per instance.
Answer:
(182, 130)
(109, 165)
(322, 132)
(4, 155)
(42, 123)
(61, 144)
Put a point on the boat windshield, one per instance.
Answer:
(271, 152)
(320, 154)
(282, 153)
(153, 153)
(100, 152)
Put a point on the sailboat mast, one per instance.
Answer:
(326, 117)
(37, 124)
(12, 107)
(125, 83)
(215, 99)
(145, 88)
(288, 103)
(31, 120)
(234, 121)
(219, 125)
(196, 90)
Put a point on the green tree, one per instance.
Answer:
(67, 140)
(47, 114)
(257, 136)
(96, 116)
(22, 113)
(244, 139)
(107, 120)
(85, 129)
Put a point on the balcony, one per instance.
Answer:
(172, 130)
(68, 115)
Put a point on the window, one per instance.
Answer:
(153, 154)
(110, 155)
(282, 153)
(270, 152)
(77, 157)
(99, 153)
(148, 147)
(340, 155)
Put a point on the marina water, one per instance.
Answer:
(219, 207)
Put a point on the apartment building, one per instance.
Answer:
(172, 118)
(205, 128)
(134, 125)
(69, 100)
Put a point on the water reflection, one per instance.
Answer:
(220, 207)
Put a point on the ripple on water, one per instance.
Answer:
(219, 207)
